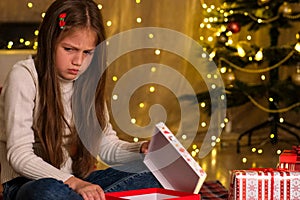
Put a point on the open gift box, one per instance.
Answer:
(173, 166)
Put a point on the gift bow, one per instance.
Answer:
(297, 149)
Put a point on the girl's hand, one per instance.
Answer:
(144, 147)
(87, 190)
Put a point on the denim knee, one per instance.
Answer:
(46, 189)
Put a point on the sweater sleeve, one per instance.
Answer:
(19, 101)
(115, 151)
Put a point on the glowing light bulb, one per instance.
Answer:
(29, 4)
(141, 105)
(115, 78)
(297, 47)
(151, 35)
(152, 89)
(153, 69)
(100, 6)
(138, 20)
(259, 55)
(109, 23)
(241, 51)
(115, 97)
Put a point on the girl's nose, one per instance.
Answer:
(78, 59)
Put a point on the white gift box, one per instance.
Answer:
(172, 164)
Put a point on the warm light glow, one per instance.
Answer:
(138, 20)
(259, 55)
(109, 23)
(271, 99)
(151, 35)
(297, 47)
(222, 125)
(263, 77)
(133, 120)
(135, 139)
(138, 1)
(36, 32)
(281, 120)
(29, 4)
(253, 149)
(202, 104)
(152, 89)
(223, 70)
(100, 6)
(259, 151)
(43, 14)
(203, 124)
(141, 105)
(153, 69)
(21, 40)
(278, 152)
(157, 52)
(272, 136)
(115, 97)
(114, 78)
(184, 137)
(244, 160)
(241, 51)
(27, 43)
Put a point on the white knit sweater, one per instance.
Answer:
(18, 100)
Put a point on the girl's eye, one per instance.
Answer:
(88, 52)
(67, 49)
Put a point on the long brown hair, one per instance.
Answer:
(50, 125)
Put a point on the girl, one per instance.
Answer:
(42, 153)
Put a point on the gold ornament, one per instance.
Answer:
(285, 9)
(296, 77)
(228, 78)
(263, 2)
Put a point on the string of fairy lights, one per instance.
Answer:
(225, 32)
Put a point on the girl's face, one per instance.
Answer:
(74, 53)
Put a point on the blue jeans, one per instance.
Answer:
(127, 177)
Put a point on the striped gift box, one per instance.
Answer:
(264, 184)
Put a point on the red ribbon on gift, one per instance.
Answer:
(297, 149)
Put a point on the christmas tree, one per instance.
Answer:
(252, 71)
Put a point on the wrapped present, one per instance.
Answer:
(264, 184)
(290, 159)
(152, 194)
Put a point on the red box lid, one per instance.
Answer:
(151, 194)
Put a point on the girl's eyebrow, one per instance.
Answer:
(76, 48)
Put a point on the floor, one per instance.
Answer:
(224, 157)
